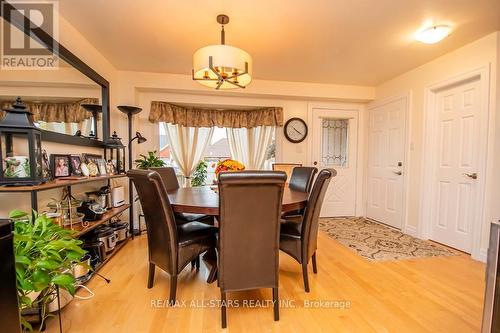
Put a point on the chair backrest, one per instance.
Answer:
(249, 216)
(302, 178)
(169, 177)
(159, 216)
(310, 222)
(286, 168)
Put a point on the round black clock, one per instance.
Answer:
(295, 130)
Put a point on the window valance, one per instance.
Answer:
(64, 112)
(211, 117)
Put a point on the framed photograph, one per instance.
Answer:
(91, 158)
(60, 165)
(110, 168)
(76, 165)
(101, 164)
(46, 165)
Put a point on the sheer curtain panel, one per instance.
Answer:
(249, 145)
(187, 145)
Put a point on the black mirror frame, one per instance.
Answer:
(78, 64)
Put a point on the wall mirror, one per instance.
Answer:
(58, 97)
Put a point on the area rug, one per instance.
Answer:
(376, 242)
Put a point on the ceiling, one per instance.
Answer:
(361, 42)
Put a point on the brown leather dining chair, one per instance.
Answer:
(249, 216)
(301, 180)
(298, 238)
(171, 183)
(170, 246)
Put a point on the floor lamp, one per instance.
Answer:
(130, 111)
(95, 109)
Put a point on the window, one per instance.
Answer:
(334, 150)
(216, 150)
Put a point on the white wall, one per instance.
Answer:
(483, 52)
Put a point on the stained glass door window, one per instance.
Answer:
(335, 146)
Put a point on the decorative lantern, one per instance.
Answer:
(20, 148)
(115, 153)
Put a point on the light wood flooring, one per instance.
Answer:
(443, 294)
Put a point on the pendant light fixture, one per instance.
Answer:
(222, 66)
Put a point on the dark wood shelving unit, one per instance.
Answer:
(117, 248)
(52, 184)
(110, 213)
(79, 228)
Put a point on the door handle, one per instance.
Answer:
(471, 175)
(399, 173)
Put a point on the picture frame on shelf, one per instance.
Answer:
(101, 164)
(110, 168)
(76, 165)
(85, 170)
(60, 165)
(47, 173)
(91, 158)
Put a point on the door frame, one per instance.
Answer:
(352, 107)
(407, 98)
(429, 154)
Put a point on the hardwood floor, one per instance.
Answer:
(443, 294)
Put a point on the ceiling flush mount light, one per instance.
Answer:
(222, 66)
(434, 34)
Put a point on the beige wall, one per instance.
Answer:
(141, 88)
(76, 85)
(137, 88)
(133, 88)
(295, 98)
(483, 52)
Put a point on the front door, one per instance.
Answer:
(334, 145)
(457, 161)
(386, 152)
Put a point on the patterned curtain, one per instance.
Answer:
(211, 117)
(64, 112)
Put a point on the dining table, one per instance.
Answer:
(205, 200)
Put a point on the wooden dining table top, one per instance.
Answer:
(204, 200)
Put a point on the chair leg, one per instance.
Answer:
(276, 303)
(223, 309)
(173, 289)
(304, 274)
(315, 267)
(151, 275)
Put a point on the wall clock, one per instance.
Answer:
(295, 130)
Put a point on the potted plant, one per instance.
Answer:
(44, 254)
(149, 161)
(200, 174)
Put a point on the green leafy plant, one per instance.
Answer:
(149, 161)
(10, 168)
(26, 167)
(200, 174)
(44, 254)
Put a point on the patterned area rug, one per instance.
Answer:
(376, 242)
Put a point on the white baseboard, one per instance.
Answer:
(482, 256)
(411, 230)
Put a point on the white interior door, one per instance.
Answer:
(386, 152)
(334, 145)
(457, 161)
